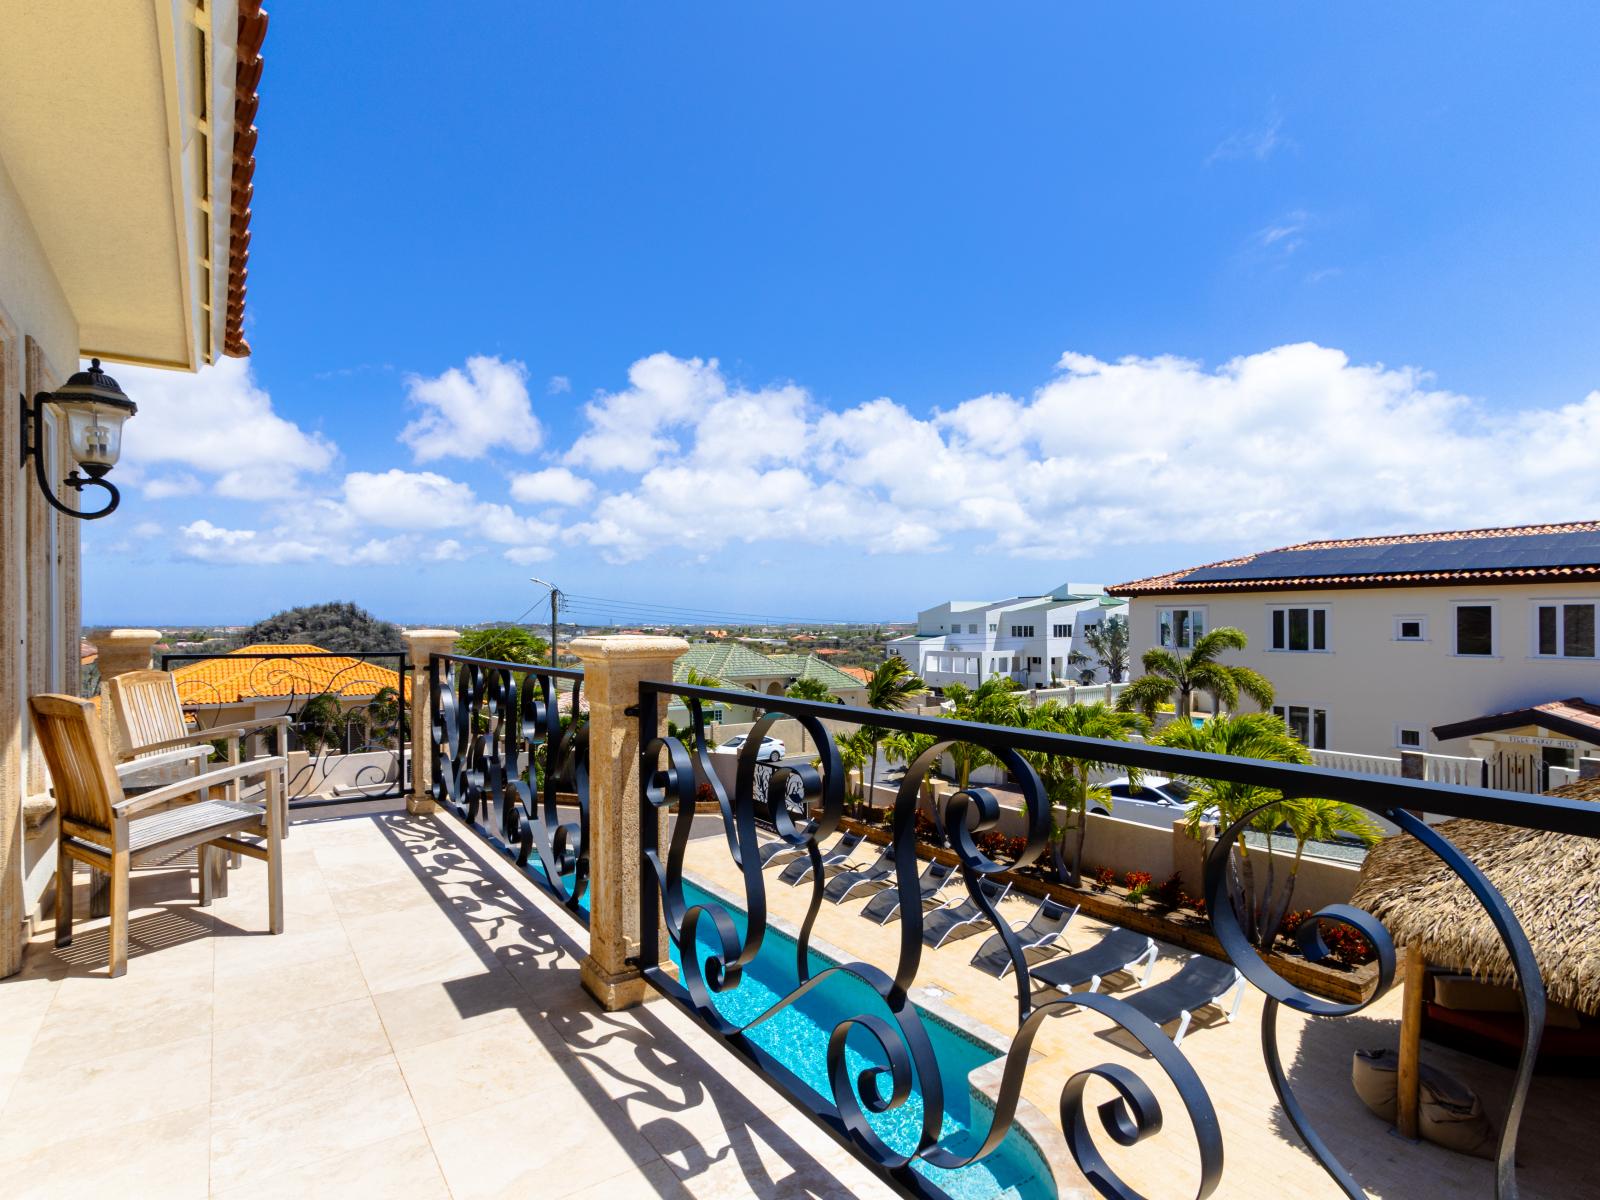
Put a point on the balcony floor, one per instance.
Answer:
(417, 1031)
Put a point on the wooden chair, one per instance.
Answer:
(104, 829)
(149, 714)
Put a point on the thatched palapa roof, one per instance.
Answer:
(1550, 880)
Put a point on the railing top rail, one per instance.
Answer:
(1376, 793)
(554, 672)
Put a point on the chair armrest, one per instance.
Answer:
(188, 787)
(215, 733)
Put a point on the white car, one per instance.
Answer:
(772, 749)
(1156, 801)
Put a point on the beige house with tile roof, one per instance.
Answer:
(127, 144)
(1384, 644)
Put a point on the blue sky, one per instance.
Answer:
(995, 299)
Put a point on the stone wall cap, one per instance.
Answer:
(431, 634)
(132, 635)
(627, 645)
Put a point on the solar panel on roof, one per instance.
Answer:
(1575, 548)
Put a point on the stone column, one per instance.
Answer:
(420, 645)
(117, 653)
(1413, 765)
(613, 668)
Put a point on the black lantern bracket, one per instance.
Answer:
(33, 447)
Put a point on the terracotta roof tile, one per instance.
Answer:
(246, 80)
(234, 677)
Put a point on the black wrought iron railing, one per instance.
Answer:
(715, 941)
(349, 713)
(510, 753)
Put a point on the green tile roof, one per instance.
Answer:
(731, 662)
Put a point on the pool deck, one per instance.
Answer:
(417, 1031)
(1263, 1156)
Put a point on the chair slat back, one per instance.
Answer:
(146, 707)
(81, 769)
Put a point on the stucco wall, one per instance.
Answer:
(1370, 683)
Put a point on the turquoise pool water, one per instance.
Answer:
(798, 1038)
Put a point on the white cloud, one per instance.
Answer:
(1260, 143)
(218, 422)
(448, 550)
(1286, 234)
(1269, 448)
(212, 543)
(554, 486)
(167, 487)
(466, 415)
(626, 429)
(525, 555)
(559, 385)
(397, 499)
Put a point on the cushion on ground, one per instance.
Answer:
(1449, 1115)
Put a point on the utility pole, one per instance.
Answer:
(555, 608)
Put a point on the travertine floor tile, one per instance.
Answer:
(431, 1012)
(166, 1156)
(308, 1119)
(569, 1147)
(402, 1168)
(486, 1068)
(245, 996)
(279, 1050)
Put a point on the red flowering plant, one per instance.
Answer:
(1104, 878)
(1138, 884)
(1170, 892)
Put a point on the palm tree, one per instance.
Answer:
(1171, 675)
(320, 721)
(381, 717)
(810, 689)
(1067, 781)
(1313, 819)
(996, 701)
(853, 749)
(890, 687)
(1109, 641)
(902, 747)
(1245, 735)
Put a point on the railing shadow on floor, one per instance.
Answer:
(656, 1069)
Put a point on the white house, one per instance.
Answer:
(1030, 639)
(1469, 642)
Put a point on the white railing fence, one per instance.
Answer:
(1364, 764)
(1460, 771)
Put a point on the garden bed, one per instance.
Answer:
(1333, 981)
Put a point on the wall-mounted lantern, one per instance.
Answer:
(93, 408)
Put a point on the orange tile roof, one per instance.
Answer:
(860, 673)
(1178, 581)
(234, 677)
(246, 79)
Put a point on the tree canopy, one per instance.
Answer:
(340, 627)
(504, 643)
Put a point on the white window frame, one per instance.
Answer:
(1311, 624)
(1400, 730)
(1422, 625)
(971, 628)
(1313, 707)
(1560, 654)
(1495, 644)
(994, 627)
(1061, 630)
(1175, 644)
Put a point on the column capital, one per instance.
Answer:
(627, 647)
(420, 645)
(422, 642)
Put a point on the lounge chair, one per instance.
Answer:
(1119, 950)
(1199, 982)
(836, 855)
(1043, 929)
(962, 917)
(847, 883)
(771, 852)
(885, 906)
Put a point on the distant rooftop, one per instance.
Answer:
(1514, 554)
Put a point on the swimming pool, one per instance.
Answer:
(798, 1038)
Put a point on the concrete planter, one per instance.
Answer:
(1345, 984)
